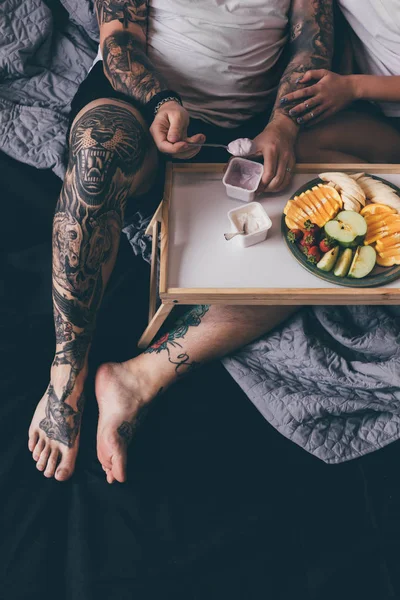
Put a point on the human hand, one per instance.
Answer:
(329, 94)
(276, 144)
(169, 131)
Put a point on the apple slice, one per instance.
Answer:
(348, 229)
(363, 262)
(328, 261)
(343, 264)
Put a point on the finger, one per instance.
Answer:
(311, 115)
(173, 149)
(313, 75)
(277, 181)
(288, 173)
(198, 138)
(270, 160)
(177, 127)
(306, 92)
(303, 107)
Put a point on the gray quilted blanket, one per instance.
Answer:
(43, 59)
(328, 379)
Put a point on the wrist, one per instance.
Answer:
(355, 84)
(284, 123)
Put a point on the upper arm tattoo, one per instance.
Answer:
(310, 43)
(129, 69)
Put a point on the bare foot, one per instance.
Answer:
(122, 400)
(55, 427)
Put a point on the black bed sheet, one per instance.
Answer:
(217, 504)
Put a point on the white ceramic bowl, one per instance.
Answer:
(242, 178)
(257, 236)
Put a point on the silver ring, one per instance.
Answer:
(306, 105)
(288, 169)
(311, 115)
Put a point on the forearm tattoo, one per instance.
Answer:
(183, 363)
(108, 146)
(128, 68)
(124, 11)
(310, 44)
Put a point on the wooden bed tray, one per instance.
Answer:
(197, 266)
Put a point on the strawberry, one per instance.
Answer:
(312, 228)
(314, 255)
(295, 235)
(325, 245)
(309, 239)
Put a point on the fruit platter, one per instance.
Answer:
(345, 228)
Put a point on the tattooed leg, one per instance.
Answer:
(124, 390)
(110, 156)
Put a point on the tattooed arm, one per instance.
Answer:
(310, 47)
(123, 32)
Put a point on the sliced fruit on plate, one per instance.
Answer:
(363, 262)
(348, 229)
(328, 260)
(319, 205)
(290, 224)
(377, 191)
(395, 252)
(380, 232)
(376, 208)
(387, 262)
(382, 219)
(387, 241)
(352, 194)
(343, 263)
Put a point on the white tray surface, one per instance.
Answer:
(199, 256)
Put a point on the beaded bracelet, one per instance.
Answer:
(154, 105)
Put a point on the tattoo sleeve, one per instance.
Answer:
(310, 44)
(168, 342)
(107, 148)
(124, 50)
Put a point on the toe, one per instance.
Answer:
(65, 468)
(38, 449)
(33, 438)
(42, 460)
(119, 466)
(52, 463)
(110, 478)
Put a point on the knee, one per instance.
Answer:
(109, 147)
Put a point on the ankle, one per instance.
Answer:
(149, 382)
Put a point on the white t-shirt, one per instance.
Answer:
(376, 39)
(221, 56)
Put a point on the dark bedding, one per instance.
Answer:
(217, 505)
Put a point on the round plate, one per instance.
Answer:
(378, 276)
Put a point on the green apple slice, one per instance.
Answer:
(348, 228)
(328, 260)
(363, 262)
(343, 263)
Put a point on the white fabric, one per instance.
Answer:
(222, 56)
(376, 40)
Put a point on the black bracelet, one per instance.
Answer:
(151, 108)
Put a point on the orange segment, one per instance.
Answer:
(376, 208)
(388, 241)
(387, 262)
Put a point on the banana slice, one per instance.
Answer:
(377, 191)
(351, 192)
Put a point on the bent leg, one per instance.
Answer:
(111, 156)
(124, 390)
(349, 137)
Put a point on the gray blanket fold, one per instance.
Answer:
(41, 68)
(329, 378)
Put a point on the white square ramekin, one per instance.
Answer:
(260, 235)
(247, 166)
